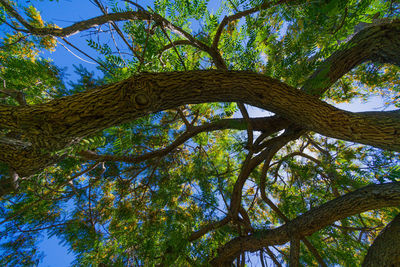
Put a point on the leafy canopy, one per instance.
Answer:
(123, 210)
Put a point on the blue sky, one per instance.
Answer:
(66, 12)
(63, 13)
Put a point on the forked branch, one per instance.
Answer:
(364, 199)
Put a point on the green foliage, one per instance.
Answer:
(38, 80)
(124, 212)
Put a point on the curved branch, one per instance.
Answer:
(379, 43)
(99, 20)
(209, 227)
(297, 153)
(274, 145)
(176, 43)
(385, 251)
(54, 125)
(60, 122)
(259, 124)
(363, 199)
(240, 15)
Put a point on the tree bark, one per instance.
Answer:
(294, 260)
(48, 127)
(366, 198)
(385, 251)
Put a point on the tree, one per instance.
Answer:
(148, 165)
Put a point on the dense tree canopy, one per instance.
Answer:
(157, 160)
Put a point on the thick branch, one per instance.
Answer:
(378, 43)
(364, 199)
(294, 260)
(385, 251)
(56, 124)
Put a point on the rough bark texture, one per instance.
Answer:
(294, 260)
(34, 134)
(385, 251)
(367, 198)
(377, 43)
(44, 129)
(54, 125)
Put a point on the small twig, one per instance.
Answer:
(15, 42)
(145, 45)
(239, 15)
(342, 22)
(76, 48)
(176, 43)
(176, 50)
(139, 7)
(22, 210)
(116, 46)
(117, 29)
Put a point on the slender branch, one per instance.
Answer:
(251, 163)
(43, 228)
(119, 32)
(116, 45)
(209, 227)
(139, 7)
(240, 15)
(271, 204)
(304, 155)
(30, 205)
(342, 22)
(273, 257)
(366, 198)
(19, 39)
(176, 43)
(239, 124)
(6, 4)
(362, 229)
(17, 95)
(175, 49)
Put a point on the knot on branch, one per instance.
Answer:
(140, 100)
(142, 96)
